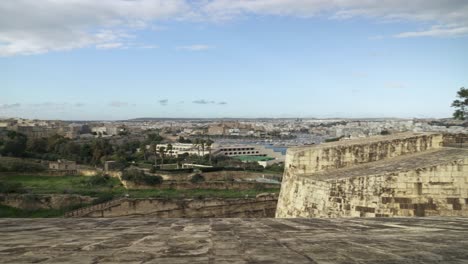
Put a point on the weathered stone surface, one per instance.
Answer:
(44, 201)
(216, 185)
(149, 240)
(409, 175)
(316, 158)
(259, 207)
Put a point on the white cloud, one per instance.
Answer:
(9, 106)
(206, 102)
(148, 46)
(437, 31)
(163, 102)
(395, 85)
(33, 27)
(118, 104)
(203, 101)
(196, 47)
(436, 12)
(114, 45)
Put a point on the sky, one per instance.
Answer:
(122, 59)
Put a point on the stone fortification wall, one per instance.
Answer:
(433, 191)
(34, 201)
(216, 185)
(263, 206)
(306, 160)
(421, 179)
(222, 176)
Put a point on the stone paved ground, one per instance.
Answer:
(146, 240)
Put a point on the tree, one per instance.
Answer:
(162, 151)
(154, 138)
(14, 145)
(169, 149)
(202, 143)
(154, 150)
(209, 142)
(38, 145)
(100, 149)
(196, 144)
(197, 178)
(461, 105)
(184, 140)
(139, 177)
(144, 151)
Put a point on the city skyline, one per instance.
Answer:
(116, 60)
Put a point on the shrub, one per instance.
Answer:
(211, 169)
(259, 187)
(140, 177)
(253, 166)
(197, 178)
(23, 166)
(6, 187)
(99, 180)
(152, 180)
(385, 132)
(103, 198)
(278, 167)
(333, 139)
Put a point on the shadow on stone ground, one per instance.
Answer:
(146, 240)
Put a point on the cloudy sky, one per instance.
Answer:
(116, 59)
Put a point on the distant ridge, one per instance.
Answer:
(140, 119)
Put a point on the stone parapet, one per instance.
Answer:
(259, 207)
(411, 176)
(311, 159)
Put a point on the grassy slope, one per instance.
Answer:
(81, 185)
(62, 184)
(7, 211)
(198, 193)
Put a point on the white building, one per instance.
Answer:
(183, 148)
(248, 150)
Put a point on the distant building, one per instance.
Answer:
(71, 131)
(34, 132)
(110, 165)
(101, 130)
(250, 150)
(217, 130)
(183, 148)
(63, 165)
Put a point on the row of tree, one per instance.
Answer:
(96, 151)
(18, 145)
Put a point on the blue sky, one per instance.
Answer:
(259, 58)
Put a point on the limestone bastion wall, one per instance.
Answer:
(403, 175)
(45, 201)
(262, 206)
(310, 159)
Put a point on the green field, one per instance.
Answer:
(103, 188)
(63, 184)
(198, 193)
(7, 211)
(84, 186)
